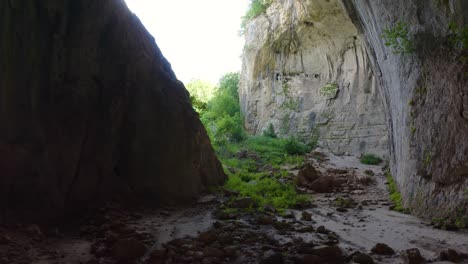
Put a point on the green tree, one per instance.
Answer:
(222, 116)
(200, 93)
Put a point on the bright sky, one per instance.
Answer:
(199, 37)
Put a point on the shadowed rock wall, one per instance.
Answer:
(90, 110)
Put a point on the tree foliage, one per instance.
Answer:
(200, 93)
(222, 116)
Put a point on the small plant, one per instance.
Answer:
(330, 90)
(427, 158)
(295, 147)
(342, 202)
(369, 172)
(314, 140)
(397, 37)
(395, 195)
(370, 159)
(270, 131)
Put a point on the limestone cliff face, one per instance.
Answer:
(425, 99)
(306, 72)
(299, 47)
(90, 110)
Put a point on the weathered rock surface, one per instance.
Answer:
(306, 73)
(90, 109)
(425, 99)
(308, 67)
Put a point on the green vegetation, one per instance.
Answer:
(459, 37)
(329, 90)
(200, 93)
(255, 164)
(256, 8)
(270, 131)
(458, 221)
(370, 159)
(222, 117)
(398, 38)
(395, 195)
(459, 40)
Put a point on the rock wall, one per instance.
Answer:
(91, 110)
(425, 95)
(306, 72)
(317, 64)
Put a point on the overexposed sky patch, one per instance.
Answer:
(199, 37)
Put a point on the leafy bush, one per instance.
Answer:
(270, 131)
(295, 147)
(370, 159)
(398, 38)
(395, 195)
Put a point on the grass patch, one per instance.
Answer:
(395, 195)
(370, 159)
(247, 176)
(265, 190)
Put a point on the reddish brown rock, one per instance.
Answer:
(307, 174)
(413, 256)
(382, 249)
(450, 255)
(362, 258)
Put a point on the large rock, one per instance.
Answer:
(425, 94)
(90, 109)
(307, 73)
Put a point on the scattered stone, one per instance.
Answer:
(362, 258)
(213, 252)
(157, 256)
(242, 203)
(272, 257)
(207, 199)
(265, 220)
(382, 249)
(306, 216)
(341, 209)
(307, 174)
(230, 193)
(329, 254)
(269, 208)
(323, 184)
(230, 251)
(128, 249)
(322, 230)
(242, 154)
(34, 230)
(207, 237)
(308, 259)
(450, 255)
(4, 239)
(413, 256)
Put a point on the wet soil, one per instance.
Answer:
(343, 225)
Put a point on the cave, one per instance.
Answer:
(104, 157)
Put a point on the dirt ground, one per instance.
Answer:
(349, 223)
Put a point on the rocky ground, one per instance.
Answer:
(349, 221)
